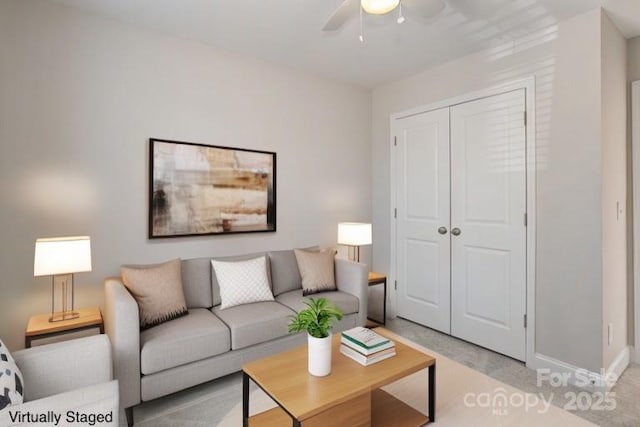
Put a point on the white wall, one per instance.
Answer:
(81, 95)
(614, 190)
(566, 60)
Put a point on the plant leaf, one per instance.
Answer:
(317, 319)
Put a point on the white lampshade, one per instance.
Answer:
(379, 7)
(62, 255)
(354, 233)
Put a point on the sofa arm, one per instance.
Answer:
(63, 366)
(122, 324)
(92, 401)
(353, 278)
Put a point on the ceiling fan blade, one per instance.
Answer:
(348, 9)
(424, 8)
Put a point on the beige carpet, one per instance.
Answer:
(464, 397)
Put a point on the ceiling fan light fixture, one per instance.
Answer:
(379, 7)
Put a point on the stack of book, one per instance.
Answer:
(365, 346)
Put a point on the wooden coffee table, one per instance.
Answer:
(349, 396)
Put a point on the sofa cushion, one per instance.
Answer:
(242, 282)
(157, 289)
(255, 323)
(196, 282)
(187, 339)
(285, 275)
(215, 287)
(347, 303)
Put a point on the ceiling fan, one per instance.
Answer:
(350, 8)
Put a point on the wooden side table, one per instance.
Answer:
(40, 327)
(380, 279)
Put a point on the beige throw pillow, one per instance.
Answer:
(158, 291)
(317, 270)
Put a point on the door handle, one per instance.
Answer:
(456, 231)
(442, 230)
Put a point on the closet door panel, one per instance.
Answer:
(488, 204)
(422, 203)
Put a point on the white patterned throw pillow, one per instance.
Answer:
(242, 282)
(11, 391)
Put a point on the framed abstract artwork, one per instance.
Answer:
(197, 189)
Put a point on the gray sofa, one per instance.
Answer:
(209, 343)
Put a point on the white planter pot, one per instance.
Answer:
(319, 355)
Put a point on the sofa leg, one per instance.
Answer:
(128, 412)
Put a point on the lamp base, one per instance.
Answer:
(356, 253)
(65, 309)
(63, 315)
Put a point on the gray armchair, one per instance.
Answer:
(71, 378)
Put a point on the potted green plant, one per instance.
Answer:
(317, 320)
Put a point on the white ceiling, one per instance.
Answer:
(288, 32)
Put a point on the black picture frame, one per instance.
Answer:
(202, 190)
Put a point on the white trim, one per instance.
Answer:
(530, 96)
(393, 293)
(635, 147)
(528, 84)
(593, 381)
(617, 367)
(569, 374)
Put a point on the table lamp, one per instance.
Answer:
(354, 235)
(60, 257)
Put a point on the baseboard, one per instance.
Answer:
(593, 381)
(568, 373)
(618, 366)
(637, 353)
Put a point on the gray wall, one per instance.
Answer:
(81, 95)
(566, 60)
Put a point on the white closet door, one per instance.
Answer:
(422, 203)
(488, 205)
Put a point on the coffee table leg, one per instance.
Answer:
(432, 393)
(245, 399)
